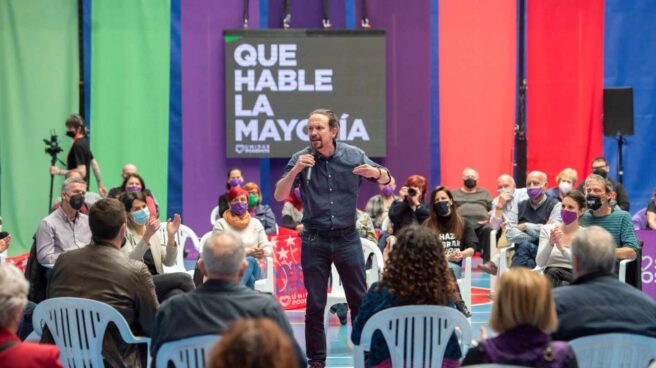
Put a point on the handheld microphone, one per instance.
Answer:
(313, 152)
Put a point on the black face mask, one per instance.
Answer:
(76, 201)
(470, 183)
(70, 133)
(594, 202)
(441, 208)
(600, 172)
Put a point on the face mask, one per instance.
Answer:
(297, 194)
(441, 208)
(387, 191)
(594, 202)
(565, 187)
(600, 172)
(535, 192)
(252, 200)
(470, 183)
(568, 216)
(506, 190)
(76, 201)
(141, 217)
(239, 209)
(133, 189)
(236, 182)
(70, 133)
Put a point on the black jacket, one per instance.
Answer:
(211, 308)
(402, 215)
(599, 303)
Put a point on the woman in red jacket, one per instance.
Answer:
(14, 352)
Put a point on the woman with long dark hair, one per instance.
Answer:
(415, 273)
(456, 233)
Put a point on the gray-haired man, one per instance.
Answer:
(597, 302)
(220, 300)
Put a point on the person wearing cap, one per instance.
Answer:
(238, 220)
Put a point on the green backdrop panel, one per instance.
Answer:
(130, 90)
(38, 90)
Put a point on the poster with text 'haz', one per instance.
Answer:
(275, 78)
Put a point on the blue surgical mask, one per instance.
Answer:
(141, 217)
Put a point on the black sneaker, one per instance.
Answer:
(341, 310)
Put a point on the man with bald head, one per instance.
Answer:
(526, 218)
(219, 301)
(128, 169)
(472, 204)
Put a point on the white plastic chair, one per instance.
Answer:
(203, 240)
(622, 269)
(184, 233)
(465, 282)
(191, 352)
(337, 294)
(214, 215)
(503, 259)
(416, 335)
(266, 285)
(492, 251)
(78, 327)
(614, 350)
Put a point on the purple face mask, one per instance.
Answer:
(387, 190)
(568, 216)
(297, 194)
(133, 189)
(535, 192)
(239, 209)
(236, 183)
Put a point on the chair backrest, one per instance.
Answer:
(416, 335)
(203, 240)
(214, 215)
(191, 352)
(614, 350)
(336, 286)
(377, 265)
(184, 233)
(78, 326)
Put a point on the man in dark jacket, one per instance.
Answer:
(219, 301)
(101, 272)
(597, 302)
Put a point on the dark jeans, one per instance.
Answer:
(483, 233)
(525, 253)
(317, 255)
(171, 284)
(25, 328)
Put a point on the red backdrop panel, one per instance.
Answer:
(565, 84)
(477, 71)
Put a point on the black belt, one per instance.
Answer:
(335, 233)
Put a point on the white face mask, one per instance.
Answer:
(565, 187)
(506, 190)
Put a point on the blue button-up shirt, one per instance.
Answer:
(330, 198)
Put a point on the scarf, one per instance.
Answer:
(295, 202)
(237, 222)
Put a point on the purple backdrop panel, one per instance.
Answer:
(203, 105)
(648, 261)
(307, 14)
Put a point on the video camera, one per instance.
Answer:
(52, 146)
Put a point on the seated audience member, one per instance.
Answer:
(249, 229)
(365, 226)
(101, 272)
(144, 243)
(455, 233)
(616, 221)
(253, 343)
(405, 283)
(66, 228)
(235, 179)
(212, 307)
(527, 217)
(292, 211)
(554, 254)
(378, 205)
(523, 315)
(128, 169)
(260, 211)
(474, 203)
(509, 196)
(600, 167)
(409, 208)
(597, 302)
(135, 183)
(13, 299)
(89, 197)
(566, 181)
(651, 212)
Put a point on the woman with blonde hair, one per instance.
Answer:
(566, 181)
(253, 343)
(523, 315)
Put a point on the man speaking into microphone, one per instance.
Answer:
(329, 174)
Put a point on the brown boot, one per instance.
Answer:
(488, 267)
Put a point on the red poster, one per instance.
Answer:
(289, 289)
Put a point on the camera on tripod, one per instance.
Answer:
(52, 146)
